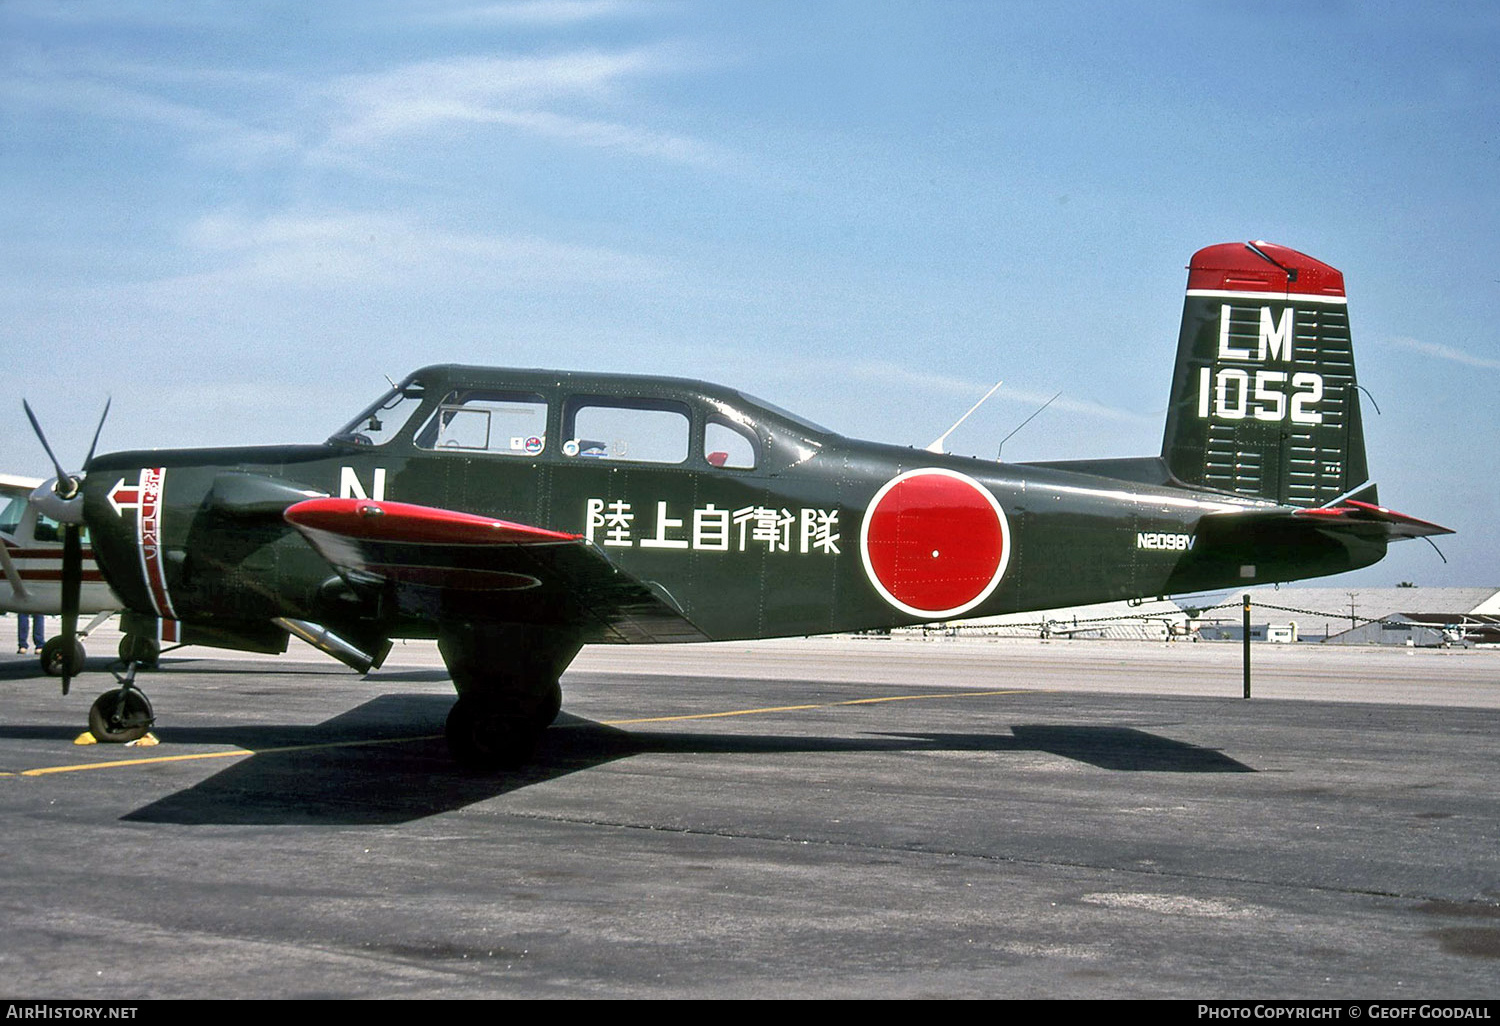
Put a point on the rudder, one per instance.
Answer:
(1264, 398)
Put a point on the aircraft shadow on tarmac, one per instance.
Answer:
(346, 776)
(97, 670)
(28, 668)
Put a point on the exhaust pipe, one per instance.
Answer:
(324, 640)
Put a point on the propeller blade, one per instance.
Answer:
(62, 475)
(72, 583)
(95, 443)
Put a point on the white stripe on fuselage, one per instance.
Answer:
(148, 538)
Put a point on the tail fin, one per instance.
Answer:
(1264, 401)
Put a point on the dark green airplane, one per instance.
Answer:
(517, 515)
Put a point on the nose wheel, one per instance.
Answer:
(123, 714)
(120, 716)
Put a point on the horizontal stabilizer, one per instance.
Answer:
(1366, 518)
(1348, 518)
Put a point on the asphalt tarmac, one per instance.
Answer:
(811, 818)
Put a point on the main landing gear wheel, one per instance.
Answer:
(551, 705)
(135, 648)
(484, 737)
(58, 657)
(507, 678)
(121, 715)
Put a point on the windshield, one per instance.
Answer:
(385, 417)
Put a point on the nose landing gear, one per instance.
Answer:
(121, 716)
(124, 714)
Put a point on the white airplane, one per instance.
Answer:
(31, 559)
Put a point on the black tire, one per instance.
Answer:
(484, 739)
(551, 705)
(120, 716)
(56, 657)
(141, 650)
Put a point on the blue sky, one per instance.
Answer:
(236, 218)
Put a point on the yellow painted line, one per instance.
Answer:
(115, 763)
(238, 752)
(78, 767)
(820, 705)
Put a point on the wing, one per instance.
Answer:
(440, 563)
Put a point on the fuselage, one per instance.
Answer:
(751, 522)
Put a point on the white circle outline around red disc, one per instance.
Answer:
(864, 543)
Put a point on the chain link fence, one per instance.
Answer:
(1048, 627)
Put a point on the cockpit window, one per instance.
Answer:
(385, 417)
(629, 429)
(727, 444)
(479, 420)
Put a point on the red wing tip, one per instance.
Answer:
(1262, 267)
(407, 522)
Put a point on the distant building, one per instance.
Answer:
(1425, 630)
(1276, 633)
(1421, 617)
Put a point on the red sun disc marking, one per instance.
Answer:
(934, 542)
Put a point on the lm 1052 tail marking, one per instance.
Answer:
(516, 515)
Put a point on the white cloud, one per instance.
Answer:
(609, 135)
(573, 97)
(116, 102)
(518, 92)
(921, 381)
(1443, 352)
(352, 251)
